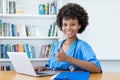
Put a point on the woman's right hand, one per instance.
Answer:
(40, 68)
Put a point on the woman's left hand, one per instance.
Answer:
(61, 56)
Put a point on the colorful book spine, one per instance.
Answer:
(0, 51)
(0, 27)
(14, 32)
(3, 51)
(48, 49)
(42, 9)
(12, 7)
(28, 50)
(1, 6)
(33, 51)
(46, 8)
(4, 28)
(52, 32)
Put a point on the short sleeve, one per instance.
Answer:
(89, 55)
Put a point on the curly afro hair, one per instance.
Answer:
(73, 11)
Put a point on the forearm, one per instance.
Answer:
(84, 65)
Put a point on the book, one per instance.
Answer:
(33, 51)
(1, 68)
(4, 6)
(46, 8)
(0, 51)
(14, 32)
(28, 50)
(0, 27)
(47, 52)
(7, 7)
(1, 6)
(42, 52)
(71, 76)
(5, 68)
(12, 7)
(42, 9)
(22, 30)
(4, 51)
(19, 9)
(8, 68)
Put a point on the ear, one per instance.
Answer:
(79, 26)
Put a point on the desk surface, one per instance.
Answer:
(11, 75)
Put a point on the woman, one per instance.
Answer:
(72, 52)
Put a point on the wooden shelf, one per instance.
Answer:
(34, 59)
(30, 38)
(26, 16)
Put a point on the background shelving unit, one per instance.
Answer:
(31, 16)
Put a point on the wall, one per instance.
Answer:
(110, 65)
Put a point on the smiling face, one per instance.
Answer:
(70, 27)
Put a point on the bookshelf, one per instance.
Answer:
(31, 17)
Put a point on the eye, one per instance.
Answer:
(72, 25)
(64, 24)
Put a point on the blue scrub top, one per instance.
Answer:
(82, 51)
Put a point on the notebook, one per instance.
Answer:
(22, 64)
(71, 76)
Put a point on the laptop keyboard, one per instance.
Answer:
(46, 72)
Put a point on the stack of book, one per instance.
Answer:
(10, 7)
(5, 68)
(48, 8)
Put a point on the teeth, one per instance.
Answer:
(68, 32)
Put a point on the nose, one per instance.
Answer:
(68, 27)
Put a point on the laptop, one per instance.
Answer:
(22, 64)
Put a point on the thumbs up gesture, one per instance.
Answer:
(61, 56)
